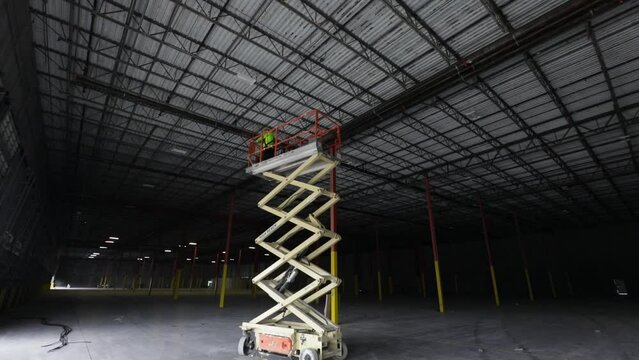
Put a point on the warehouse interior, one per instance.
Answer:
(486, 169)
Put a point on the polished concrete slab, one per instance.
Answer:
(108, 326)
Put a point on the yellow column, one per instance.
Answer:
(531, 295)
(494, 280)
(176, 288)
(334, 272)
(334, 293)
(440, 294)
(225, 270)
(433, 239)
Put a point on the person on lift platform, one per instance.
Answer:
(267, 143)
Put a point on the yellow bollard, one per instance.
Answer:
(334, 293)
(225, 270)
(440, 293)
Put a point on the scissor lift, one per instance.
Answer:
(293, 327)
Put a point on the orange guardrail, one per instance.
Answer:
(298, 131)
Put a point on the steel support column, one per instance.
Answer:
(334, 272)
(229, 233)
(389, 269)
(217, 273)
(524, 259)
(151, 278)
(433, 238)
(379, 266)
(237, 268)
(192, 267)
(356, 269)
(493, 277)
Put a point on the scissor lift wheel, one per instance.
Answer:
(314, 336)
(309, 354)
(246, 345)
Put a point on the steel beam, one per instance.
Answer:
(535, 32)
(611, 89)
(554, 96)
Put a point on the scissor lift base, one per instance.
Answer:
(327, 345)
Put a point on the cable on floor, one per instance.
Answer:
(64, 334)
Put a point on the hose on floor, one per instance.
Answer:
(64, 334)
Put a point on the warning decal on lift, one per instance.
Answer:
(275, 344)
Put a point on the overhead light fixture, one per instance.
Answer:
(109, 241)
(193, 243)
(213, 262)
(167, 250)
(197, 257)
(114, 238)
(150, 186)
(139, 259)
(179, 151)
(188, 259)
(146, 257)
(246, 78)
(267, 254)
(251, 247)
(103, 247)
(231, 259)
(223, 252)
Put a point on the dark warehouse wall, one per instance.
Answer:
(27, 254)
(581, 261)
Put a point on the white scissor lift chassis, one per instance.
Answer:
(314, 336)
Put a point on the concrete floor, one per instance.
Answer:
(140, 328)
